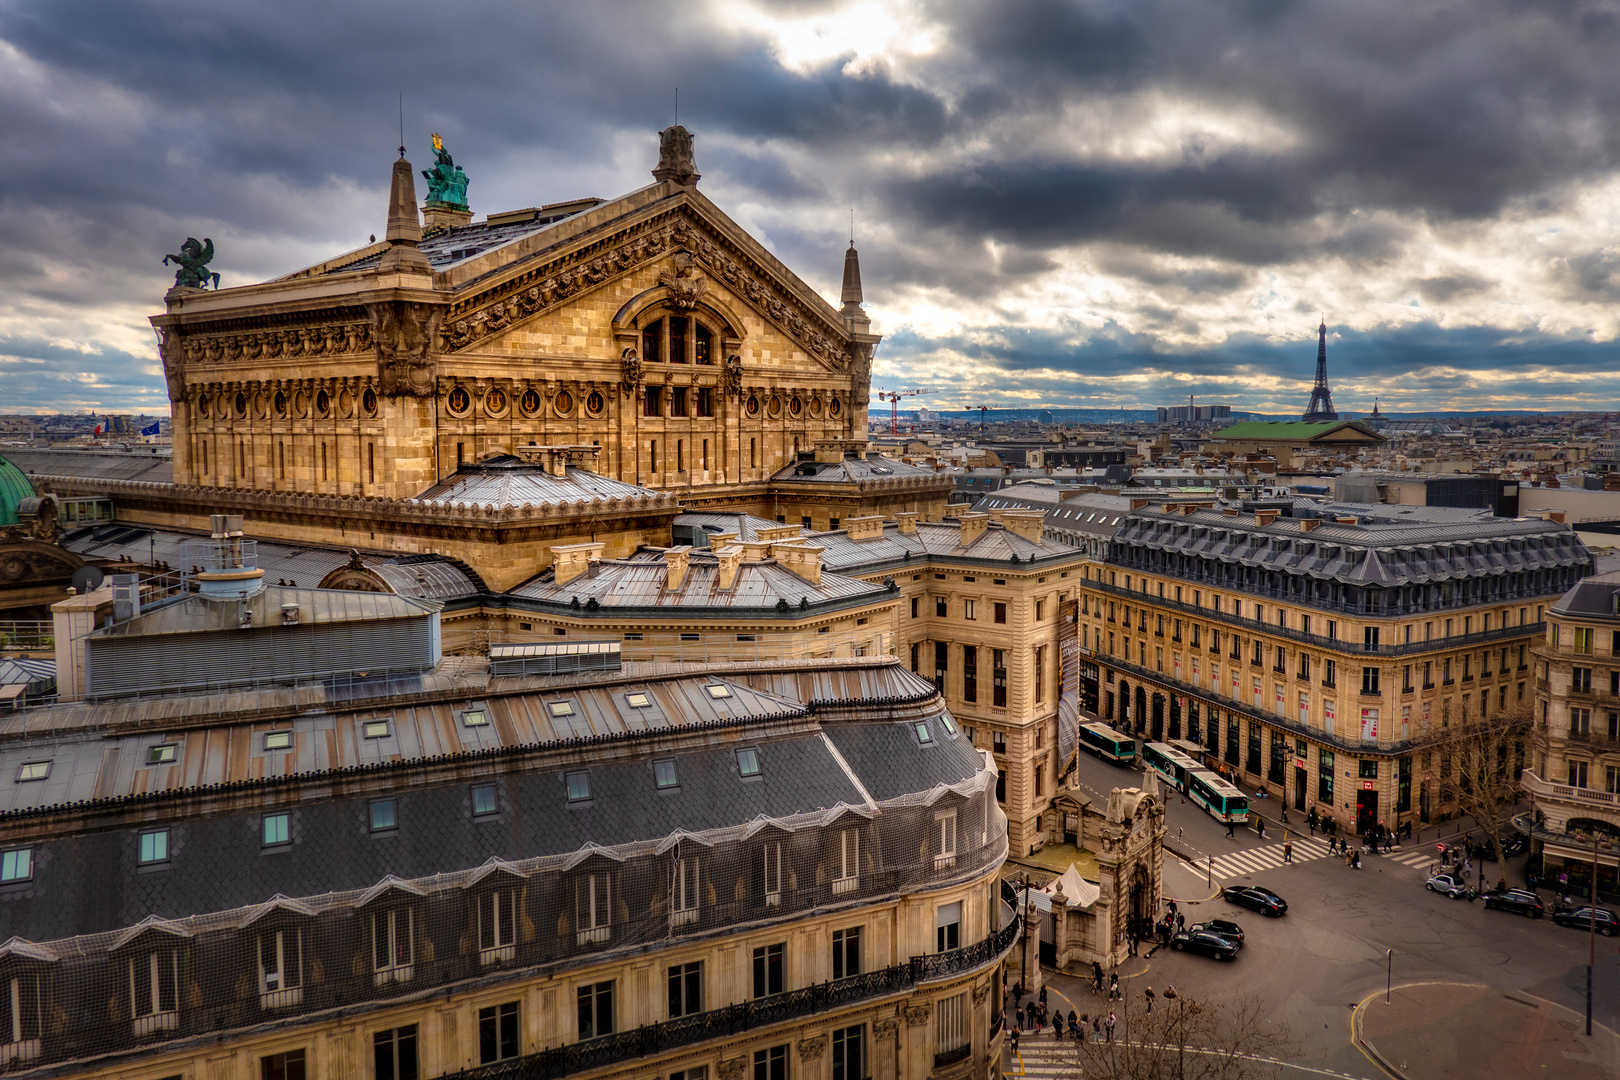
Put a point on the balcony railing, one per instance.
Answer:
(1545, 789)
(732, 1020)
(1456, 641)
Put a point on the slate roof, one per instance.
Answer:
(643, 582)
(942, 539)
(1594, 597)
(88, 882)
(851, 470)
(1093, 514)
(510, 481)
(448, 247)
(140, 464)
(1388, 545)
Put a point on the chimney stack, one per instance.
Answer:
(907, 523)
(1030, 524)
(869, 527)
(730, 559)
(569, 561)
(675, 559)
(973, 526)
(802, 559)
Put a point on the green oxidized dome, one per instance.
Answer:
(14, 488)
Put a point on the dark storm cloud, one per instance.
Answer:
(132, 124)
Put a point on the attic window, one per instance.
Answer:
(748, 762)
(949, 724)
(924, 736)
(278, 740)
(33, 770)
(638, 700)
(664, 775)
(475, 718)
(375, 729)
(579, 786)
(718, 690)
(161, 754)
(561, 708)
(383, 816)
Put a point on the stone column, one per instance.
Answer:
(1060, 927)
(1031, 947)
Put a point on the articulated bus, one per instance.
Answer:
(1107, 743)
(1170, 763)
(1191, 749)
(1220, 800)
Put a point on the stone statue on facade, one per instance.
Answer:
(403, 337)
(686, 286)
(675, 160)
(193, 261)
(447, 183)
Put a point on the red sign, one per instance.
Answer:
(1369, 785)
(1299, 763)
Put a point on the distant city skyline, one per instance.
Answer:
(1075, 206)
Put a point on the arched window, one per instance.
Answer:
(680, 339)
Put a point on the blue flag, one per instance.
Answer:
(150, 429)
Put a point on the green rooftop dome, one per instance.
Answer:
(14, 488)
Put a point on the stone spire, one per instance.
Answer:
(404, 226)
(851, 297)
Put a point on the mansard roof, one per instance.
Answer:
(643, 582)
(1385, 546)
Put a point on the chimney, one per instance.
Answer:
(72, 621)
(730, 558)
(996, 515)
(1348, 520)
(1137, 504)
(1030, 524)
(1230, 511)
(777, 532)
(1189, 509)
(802, 559)
(864, 528)
(1265, 517)
(973, 526)
(907, 523)
(956, 510)
(756, 550)
(1309, 524)
(569, 561)
(675, 559)
(1557, 517)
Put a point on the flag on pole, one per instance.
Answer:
(150, 429)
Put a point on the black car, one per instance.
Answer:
(1522, 901)
(1225, 928)
(1202, 941)
(1607, 922)
(1254, 897)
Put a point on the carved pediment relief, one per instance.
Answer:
(702, 258)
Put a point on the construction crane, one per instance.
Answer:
(982, 410)
(893, 398)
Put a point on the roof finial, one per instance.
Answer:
(402, 124)
(852, 226)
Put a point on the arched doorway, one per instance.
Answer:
(1158, 717)
(1141, 709)
(1142, 904)
(1124, 704)
(1175, 718)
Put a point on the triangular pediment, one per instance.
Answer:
(505, 289)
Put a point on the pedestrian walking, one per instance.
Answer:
(1043, 998)
(1020, 1017)
(1096, 976)
(1357, 858)
(1181, 922)
(1148, 995)
(1015, 1040)
(1260, 827)
(1230, 825)
(1073, 1027)
(1110, 1026)
(1096, 1028)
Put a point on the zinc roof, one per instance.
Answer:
(644, 583)
(514, 483)
(139, 464)
(194, 614)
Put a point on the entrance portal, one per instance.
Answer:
(1299, 788)
(1158, 717)
(1366, 811)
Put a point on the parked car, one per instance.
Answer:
(1255, 898)
(1225, 928)
(1607, 922)
(1452, 885)
(1522, 901)
(1202, 941)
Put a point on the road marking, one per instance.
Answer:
(1254, 860)
(1053, 1058)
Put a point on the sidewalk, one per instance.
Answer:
(1432, 1031)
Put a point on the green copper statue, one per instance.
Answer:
(447, 183)
(193, 261)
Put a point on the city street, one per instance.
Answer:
(1345, 933)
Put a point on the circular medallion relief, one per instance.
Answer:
(278, 401)
(368, 401)
(815, 406)
(529, 402)
(795, 407)
(773, 408)
(563, 402)
(835, 408)
(202, 405)
(301, 403)
(495, 401)
(345, 403)
(594, 403)
(459, 401)
(323, 402)
(752, 408)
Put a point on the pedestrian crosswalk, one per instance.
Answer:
(1254, 860)
(1417, 858)
(1041, 1057)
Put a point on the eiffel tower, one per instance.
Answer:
(1321, 407)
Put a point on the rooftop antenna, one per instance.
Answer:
(852, 226)
(677, 106)
(402, 123)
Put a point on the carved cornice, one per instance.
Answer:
(549, 284)
(288, 343)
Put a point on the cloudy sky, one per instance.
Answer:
(1058, 202)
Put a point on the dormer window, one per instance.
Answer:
(393, 946)
(848, 861)
(281, 968)
(497, 926)
(162, 754)
(683, 890)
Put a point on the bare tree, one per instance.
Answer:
(1486, 753)
(1186, 1039)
